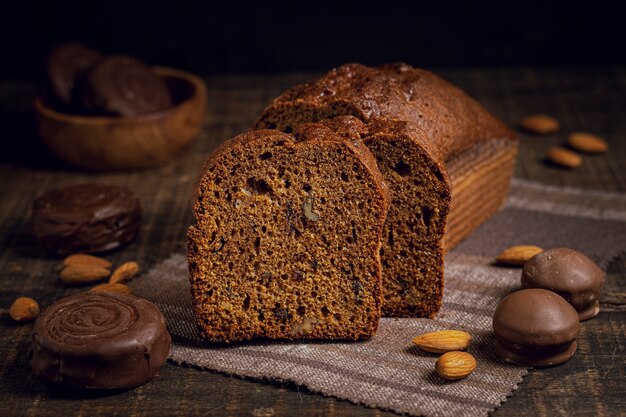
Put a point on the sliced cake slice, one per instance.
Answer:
(287, 238)
(431, 118)
(412, 249)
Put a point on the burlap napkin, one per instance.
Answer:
(387, 371)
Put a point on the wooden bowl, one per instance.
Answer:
(108, 143)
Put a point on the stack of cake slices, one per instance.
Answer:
(338, 207)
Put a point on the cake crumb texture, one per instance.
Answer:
(287, 238)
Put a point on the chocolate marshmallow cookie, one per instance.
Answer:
(87, 218)
(66, 64)
(570, 274)
(124, 86)
(535, 327)
(100, 340)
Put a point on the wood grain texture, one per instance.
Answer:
(592, 383)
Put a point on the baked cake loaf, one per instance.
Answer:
(287, 238)
(427, 123)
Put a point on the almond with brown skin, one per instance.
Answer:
(24, 309)
(84, 259)
(112, 287)
(587, 142)
(125, 272)
(540, 124)
(518, 255)
(564, 157)
(455, 365)
(82, 274)
(443, 341)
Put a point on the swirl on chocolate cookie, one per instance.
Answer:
(124, 86)
(100, 340)
(83, 322)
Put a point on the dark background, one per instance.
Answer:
(265, 37)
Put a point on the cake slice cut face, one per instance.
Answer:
(412, 249)
(287, 238)
(441, 152)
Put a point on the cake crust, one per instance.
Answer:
(450, 119)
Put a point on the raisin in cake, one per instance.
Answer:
(287, 238)
(426, 122)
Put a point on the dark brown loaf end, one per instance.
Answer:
(480, 179)
(287, 238)
(416, 124)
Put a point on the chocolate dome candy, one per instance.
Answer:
(100, 340)
(124, 86)
(535, 327)
(570, 274)
(86, 218)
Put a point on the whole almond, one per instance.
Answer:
(564, 157)
(112, 287)
(24, 309)
(518, 255)
(125, 272)
(455, 365)
(540, 124)
(443, 341)
(84, 259)
(82, 274)
(587, 142)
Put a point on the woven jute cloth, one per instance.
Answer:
(387, 371)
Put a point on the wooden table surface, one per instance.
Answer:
(592, 383)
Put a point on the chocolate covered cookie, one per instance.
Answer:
(124, 86)
(65, 65)
(570, 274)
(86, 218)
(100, 340)
(535, 327)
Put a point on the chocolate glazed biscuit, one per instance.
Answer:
(124, 86)
(87, 218)
(100, 340)
(66, 64)
(570, 274)
(535, 327)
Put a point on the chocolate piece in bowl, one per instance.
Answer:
(100, 340)
(124, 86)
(570, 274)
(86, 218)
(535, 327)
(111, 143)
(65, 65)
